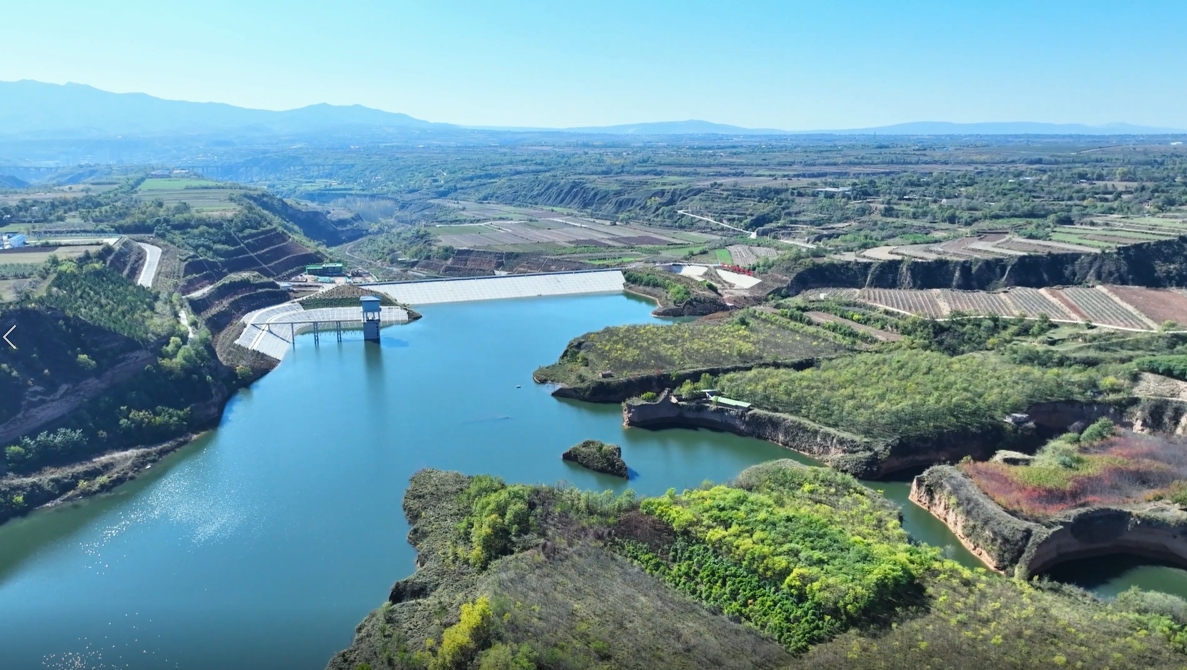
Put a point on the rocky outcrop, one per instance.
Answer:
(1155, 264)
(982, 526)
(1159, 415)
(1157, 531)
(700, 304)
(599, 457)
(1062, 415)
(53, 486)
(1025, 548)
(849, 453)
(857, 455)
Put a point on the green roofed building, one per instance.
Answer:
(325, 270)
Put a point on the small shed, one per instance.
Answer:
(370, 304)
(730, 402)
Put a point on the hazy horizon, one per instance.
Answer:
(787, 66)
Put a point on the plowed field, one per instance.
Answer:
(1158, 305)
(977, 302)
(912, 302)
(1033, 303)
(1102, 309)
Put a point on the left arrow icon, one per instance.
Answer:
(8, 340)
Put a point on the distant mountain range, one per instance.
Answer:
(38, 111)
(1009, 128)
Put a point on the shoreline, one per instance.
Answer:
(858, 455)
(55, 486)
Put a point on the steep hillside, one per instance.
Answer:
(1154, 264)
(100, 366)
(314, 224)
(250, 241)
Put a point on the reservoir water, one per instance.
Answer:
(265, 542)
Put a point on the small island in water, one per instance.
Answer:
(599, 457)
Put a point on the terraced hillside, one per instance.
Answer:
(249, 242)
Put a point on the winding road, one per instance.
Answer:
(751, 234)
(149, 272)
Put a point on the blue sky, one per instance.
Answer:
(789, 64)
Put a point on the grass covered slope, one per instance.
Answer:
(750, 337)
(907, 392)
(677, 295)
(542, 591)
(787, 567)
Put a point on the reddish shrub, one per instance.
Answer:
(1127, 468)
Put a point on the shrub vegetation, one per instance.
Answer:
(906, 392)
(1094, 468)
(750, 337)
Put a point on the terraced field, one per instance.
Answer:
(207, 197)
(923, 303)
(1101, 309)
(270, 252)
(1033, 303)
(747, 255)
(977, 302)
(1125, 307)
(832, 294)
(1158, 305)
(821, 318)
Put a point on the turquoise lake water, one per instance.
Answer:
(264, 543)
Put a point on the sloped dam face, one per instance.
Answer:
(264, 543)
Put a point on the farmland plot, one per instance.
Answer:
(964, 248)
(747, 255)
(831, 294)
(1101, 309)
(977, 302)
(821, 318)
(1044, 247)
(1158, 305)
(923, 303)
(1033, 303)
